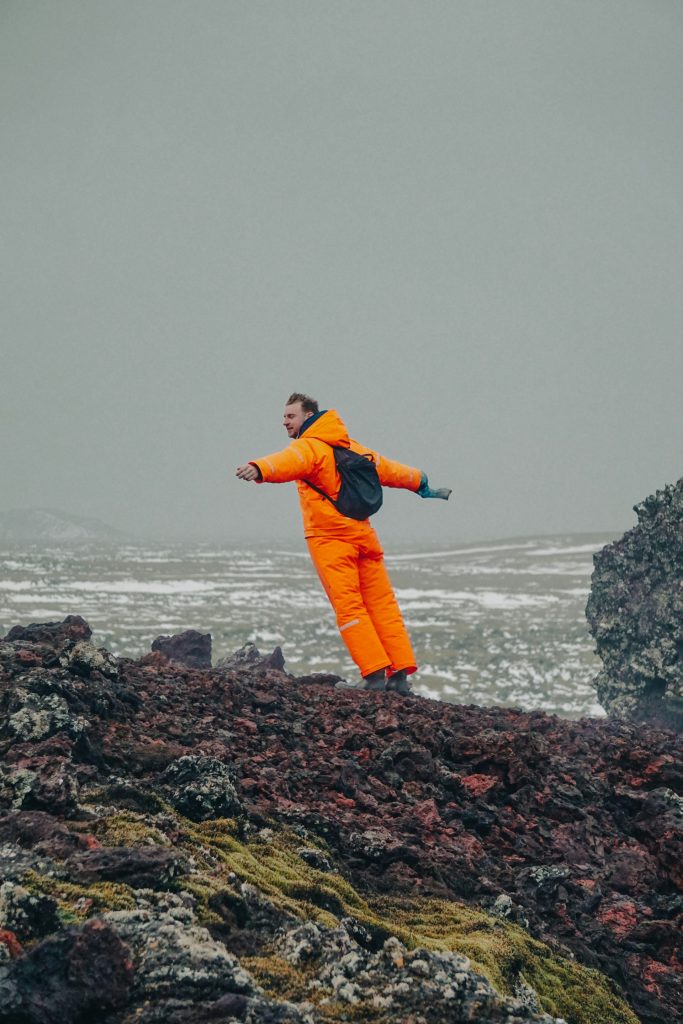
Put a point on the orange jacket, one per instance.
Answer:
(310, 457)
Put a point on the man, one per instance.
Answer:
(345, 551)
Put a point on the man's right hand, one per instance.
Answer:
(248, 472)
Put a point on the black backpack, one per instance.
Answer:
(360, 494)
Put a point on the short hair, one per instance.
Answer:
(308, 404)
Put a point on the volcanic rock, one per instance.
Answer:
(191, 648)
(635, 613)
(201, 788)
(27, 916)
(395, 978)
(40, 783)
(39, 832)
(84, 659)
(249, 657)
(141, 867)
(246, 845)
(75, 975)
(174, 958)
(54, 634)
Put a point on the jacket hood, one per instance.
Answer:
(326, 426)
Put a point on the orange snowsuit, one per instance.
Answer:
(347, 553)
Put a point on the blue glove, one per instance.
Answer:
(425, 491)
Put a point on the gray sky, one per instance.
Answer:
(457, 223)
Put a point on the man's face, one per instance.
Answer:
(294, 419)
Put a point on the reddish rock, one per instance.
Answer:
(427, 814)
(386, 720)
(619, 915)
(578, 824)
(54, 634)
(247, 725)
(478, 785)
(11, 943)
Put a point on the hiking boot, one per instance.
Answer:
(399, 683)
(375, 681)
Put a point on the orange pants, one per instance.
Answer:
(355, 580)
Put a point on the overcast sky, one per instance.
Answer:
(458, 223)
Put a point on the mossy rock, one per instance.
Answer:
(505, 954)
(222, 858)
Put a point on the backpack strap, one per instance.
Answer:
(318, 489)
(331, 500)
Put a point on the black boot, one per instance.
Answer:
(376, 680)
(399, 683)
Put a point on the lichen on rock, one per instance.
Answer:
(635, 613)
(201, 788)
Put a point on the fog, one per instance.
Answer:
(458, 224)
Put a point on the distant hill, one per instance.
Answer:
(47, 525)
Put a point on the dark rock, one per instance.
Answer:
(174, 958)
(202, 788)
(231, 1005)
(249, 657)
(40, 783)
(249, 919)
(40, 832)
(571, 829)
(77, 975)
(142, 867)
(54, 634)
(28, 916)
(314, 858)
(84, 659)
(635, 613)
(191, 648)
(319, 678)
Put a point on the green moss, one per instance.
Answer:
(279, 977)
(76, 903)
(137, 798)
(129, 829)
(504, 953)
(579, 994)
(280, 980)
(218, 851)
(500, 951)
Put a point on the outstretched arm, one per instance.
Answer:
(425, 491)
(396, 474)
(292, 463)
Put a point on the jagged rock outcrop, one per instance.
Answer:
(249, 657)
(245, 845)
(635, 613)
(190, 648)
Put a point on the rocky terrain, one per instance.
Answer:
(635, 612)
(194, 844)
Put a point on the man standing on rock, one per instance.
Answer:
(345, 551)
